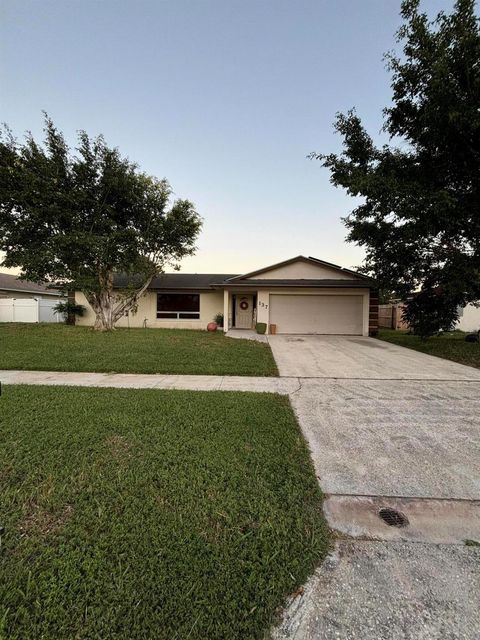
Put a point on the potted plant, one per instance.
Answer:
(261, 327)
(217, 322)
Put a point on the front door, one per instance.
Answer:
(243, 312)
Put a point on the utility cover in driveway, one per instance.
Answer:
(322, 314)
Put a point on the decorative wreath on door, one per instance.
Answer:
(244, 305)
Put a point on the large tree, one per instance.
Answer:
(76, 219)
(419, 217)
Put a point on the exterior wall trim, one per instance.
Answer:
(373, 313)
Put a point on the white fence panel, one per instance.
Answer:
(25, 310)
(469, 319)
(29, 310)
(47, 313)
(20, 309)
(6, 310)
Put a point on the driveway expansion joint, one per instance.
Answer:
(385, 379)
(395, 497)
(299, 388)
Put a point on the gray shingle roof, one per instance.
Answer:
(207, 281)
(9, 282)
(197, 281)
(300, 283)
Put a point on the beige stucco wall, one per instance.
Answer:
(263, 300)
(211, 303)
(304, 270)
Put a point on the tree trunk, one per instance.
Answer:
(71, 318)
(103, 302)
(103, 316)
(99, 324)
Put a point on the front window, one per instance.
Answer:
(178, 306)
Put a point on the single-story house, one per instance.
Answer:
(301, 295)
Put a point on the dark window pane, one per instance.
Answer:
(189, 316)
(166, 314)
(178, 302)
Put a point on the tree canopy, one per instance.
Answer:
(74, 219)
(419, 217)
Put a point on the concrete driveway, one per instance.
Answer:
(385, 420)
(392, 428)
(362, 358)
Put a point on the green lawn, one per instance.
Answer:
(451, 346)
(151, 514)
(60, 347)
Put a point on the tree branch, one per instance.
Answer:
(130, 301)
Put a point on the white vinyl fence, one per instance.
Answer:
(469, 318)
(29, 310)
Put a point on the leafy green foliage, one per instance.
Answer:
(69, 308)
(419, 220)
(58, 347)
(218, 319)
(135, 514)
(76, 219)
(430, 312)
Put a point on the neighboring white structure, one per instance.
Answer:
(29, 310)
(24, 301)
(469, 319)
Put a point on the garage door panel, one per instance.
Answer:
(321, 314)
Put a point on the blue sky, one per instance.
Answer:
(225, 98)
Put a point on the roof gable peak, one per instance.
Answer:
(308, 260)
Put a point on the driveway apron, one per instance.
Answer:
(395, 440)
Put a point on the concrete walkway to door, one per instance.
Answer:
(388, 428)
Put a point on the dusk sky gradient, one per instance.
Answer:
(224, 98)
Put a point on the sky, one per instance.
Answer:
(224, 98)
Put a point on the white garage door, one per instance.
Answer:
(329, 314)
